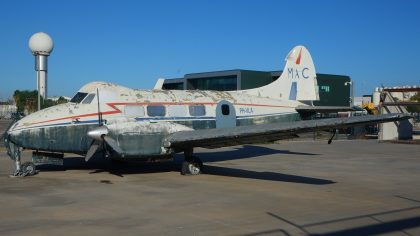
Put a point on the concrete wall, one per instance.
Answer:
(7, 110)
(398, 130)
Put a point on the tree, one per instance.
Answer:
(49, 103)
(61, 100)
(27, 101)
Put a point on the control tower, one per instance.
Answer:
(41, 46)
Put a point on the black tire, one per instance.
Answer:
(28, 168)
(184, 168)
(192, 167)
(198, 162)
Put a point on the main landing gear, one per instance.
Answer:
(192, 165)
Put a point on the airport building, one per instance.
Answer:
(6, 110)
(334, 90)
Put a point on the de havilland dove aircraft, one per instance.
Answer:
(151, 125)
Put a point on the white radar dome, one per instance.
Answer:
(41, 42)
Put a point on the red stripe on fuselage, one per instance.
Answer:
(116, 110)
(84, 115)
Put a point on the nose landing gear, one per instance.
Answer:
(28, 169)
(14, 152)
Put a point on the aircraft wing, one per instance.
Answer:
(214, 138)
(322, 109)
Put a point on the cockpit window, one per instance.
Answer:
(78, 97)
(89, 98)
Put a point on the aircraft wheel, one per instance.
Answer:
(28, 168)
(192, 166)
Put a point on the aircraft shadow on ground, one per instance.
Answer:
(399, 225)
(99, 165)
(246, 151)
(273, 176)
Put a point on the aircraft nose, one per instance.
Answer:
(13, 133)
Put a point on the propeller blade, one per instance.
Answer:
(113, 144)
(92, 150)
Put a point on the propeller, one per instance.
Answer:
(100, 136)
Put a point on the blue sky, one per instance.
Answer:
(133, 43)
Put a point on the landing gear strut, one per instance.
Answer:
(191, 165)
(334, 132)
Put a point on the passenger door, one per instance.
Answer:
(225, 115)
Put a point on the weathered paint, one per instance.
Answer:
(135, 137)
(41, 158)
(72, 139)
(64, 128)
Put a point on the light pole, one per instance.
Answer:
(351, 83)
(41, 46)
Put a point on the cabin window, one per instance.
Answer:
(134, 111)
(177, 110)
(78, 97)
(225, 109)
(89, 98)
(156, 110)
(197, 110)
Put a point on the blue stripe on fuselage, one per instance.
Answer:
(198, 118)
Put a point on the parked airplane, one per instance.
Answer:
(154, 124)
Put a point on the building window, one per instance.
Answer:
(89, 98)
(134, 111)
(225, 109)
(197, 110)
(156, 110)
(220, 83)
(173, 86)
(177, 110)
(325, 88)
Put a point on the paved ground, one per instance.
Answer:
(294, 188)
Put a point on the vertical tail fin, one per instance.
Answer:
(297, 82)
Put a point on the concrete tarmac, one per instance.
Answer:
(292, 188)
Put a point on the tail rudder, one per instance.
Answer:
(297, 81)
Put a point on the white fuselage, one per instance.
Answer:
(55, 128)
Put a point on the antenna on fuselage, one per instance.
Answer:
(100, 122)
